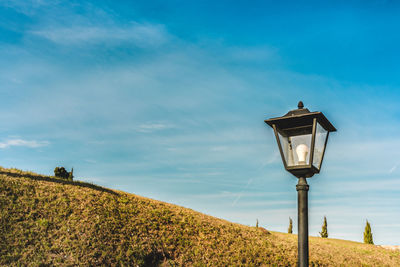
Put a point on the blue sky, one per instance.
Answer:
(167, 99)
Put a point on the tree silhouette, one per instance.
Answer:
(368, 234)
(290, 229)
(324, 231)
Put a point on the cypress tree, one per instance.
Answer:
(368, 234)
(290, 229)
(257, 224)
(324, 231)
(71, 174)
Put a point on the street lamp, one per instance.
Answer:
(302, 137)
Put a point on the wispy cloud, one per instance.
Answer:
(23, 143)
(241, 193)
(152, 127)
(142, 35)
(59, 23)
(27, 7)
(394, 167)
(218, 148)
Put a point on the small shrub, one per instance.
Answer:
(61, 172)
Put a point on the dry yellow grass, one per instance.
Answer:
(46, 221)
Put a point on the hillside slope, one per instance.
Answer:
(46, 221)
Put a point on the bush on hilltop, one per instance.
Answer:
(61, 172)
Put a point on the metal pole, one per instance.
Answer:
(302, 221)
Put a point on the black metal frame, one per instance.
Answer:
(296, 122)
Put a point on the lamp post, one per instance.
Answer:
(302, 137)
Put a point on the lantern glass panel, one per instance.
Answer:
(285, 148)
(296, 149)
(319, 147)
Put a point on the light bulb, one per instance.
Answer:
(302, 151)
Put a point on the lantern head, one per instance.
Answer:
(302, 137)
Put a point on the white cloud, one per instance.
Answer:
(24, 143)
(219, 148)
(142, 35)
(59, 23)
(241, 193)
(394, 167)
(152, 127)
(27, 7)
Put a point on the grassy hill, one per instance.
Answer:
(48, 221)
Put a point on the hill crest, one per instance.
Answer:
(47, 221)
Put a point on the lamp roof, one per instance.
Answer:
(300, 117)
